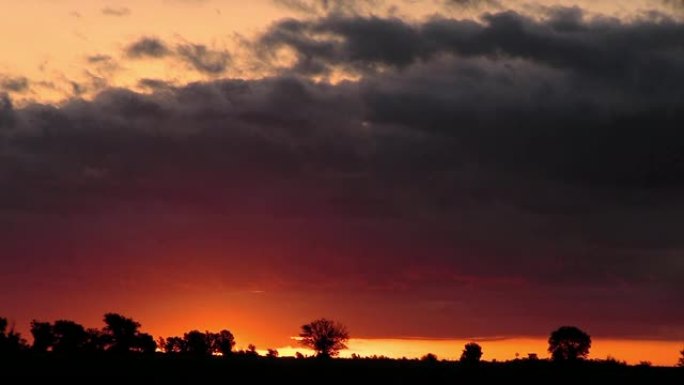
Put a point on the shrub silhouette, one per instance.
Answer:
(324, 336)
(681, 359)
(251, 351)
(569, 343)
(471, 354)
(430, 357)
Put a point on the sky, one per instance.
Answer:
(422, 171)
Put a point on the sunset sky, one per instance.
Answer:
(428, 172)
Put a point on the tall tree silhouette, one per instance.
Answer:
(43, 336)
(471, 354)
(70, 337)
(324, 336)
(569, 343)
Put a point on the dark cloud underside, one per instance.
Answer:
(148, 47)
(500, 166)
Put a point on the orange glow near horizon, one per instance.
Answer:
(659, 353)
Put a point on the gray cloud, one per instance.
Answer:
(99, 59)
(473, 3)
(322, 7)
(204, 59)
(116, 11)
(14, 84)
(198, 56)
(147, 47)
(154, 84)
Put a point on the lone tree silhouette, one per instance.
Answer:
(681, 359)
(472, 353)
(569, 343)
(324, 336)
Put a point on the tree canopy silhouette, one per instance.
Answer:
(569, 343)
(43, 336)
(122, 335)
(430, 357)
(69, 337)
(324, 336)
(10, 341)
(222, 342)
(200, 344)
(472, 352)
(681, 359)
(122, 332)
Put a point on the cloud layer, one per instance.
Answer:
(503, 167)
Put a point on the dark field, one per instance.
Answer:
(185, 370)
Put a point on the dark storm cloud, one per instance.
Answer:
(6, 111)
(577, 93)
(14, 84)
(116, 11)
(148, 47)
(203, 59)
(564, 39)
(523, 159)
(154, 84)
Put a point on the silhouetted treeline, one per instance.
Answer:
(120, 351)
(200, 344)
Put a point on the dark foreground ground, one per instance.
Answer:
(250, 370)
